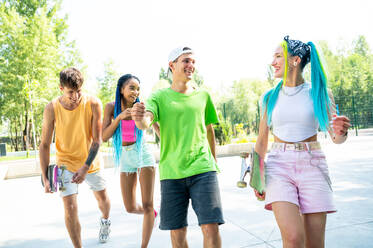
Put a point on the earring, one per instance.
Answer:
(295, 63)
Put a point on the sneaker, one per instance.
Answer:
(104, 230)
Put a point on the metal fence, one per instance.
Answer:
(357, 107)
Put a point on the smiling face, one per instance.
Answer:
(183, 68)
(71, 96)
(278, 62)
(131, 90)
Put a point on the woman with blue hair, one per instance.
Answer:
(131, 154)
(298, 187)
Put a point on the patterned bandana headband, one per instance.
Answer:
(298, 48)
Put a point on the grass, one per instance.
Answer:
(12, 158)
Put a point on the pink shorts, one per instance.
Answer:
(301, 178)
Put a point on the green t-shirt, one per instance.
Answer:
(182, 119)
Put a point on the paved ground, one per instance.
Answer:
(30, 218)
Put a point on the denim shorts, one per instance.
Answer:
(131, 161)
(202, 189)
(301, 178)
(95, 181)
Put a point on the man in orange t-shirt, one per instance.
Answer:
(76, 120)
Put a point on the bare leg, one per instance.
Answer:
(72, 220)
(147, 177)
(290, 223)
(128, 182)
(211, 236)
(314, 226)
(178, 238)
(103, 202)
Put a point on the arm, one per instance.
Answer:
(211, 139)
(109, 125)
(46, 139)
(156, 129)
(142, 118)
(339, 124)
(79, 176)
(261, 144)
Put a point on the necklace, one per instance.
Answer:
(293, 94)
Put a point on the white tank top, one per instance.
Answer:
(293, 117)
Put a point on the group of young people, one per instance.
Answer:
(298, 186)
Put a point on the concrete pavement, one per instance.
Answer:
(31, 218)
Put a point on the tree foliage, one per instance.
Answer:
(33, 49)
(240, 103)
(350, 69)
(108, 82)
(196, 80)
(163, 76)
(351, 79)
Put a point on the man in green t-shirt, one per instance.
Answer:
(187, 164)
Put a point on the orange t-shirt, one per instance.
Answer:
(73, 130)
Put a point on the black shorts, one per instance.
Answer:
(202, 189)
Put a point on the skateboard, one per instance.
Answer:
(256, 168)
(55, 176)
(245, 169)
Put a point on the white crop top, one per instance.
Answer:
(293, 117)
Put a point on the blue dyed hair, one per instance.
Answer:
(117, 136)
(319, 92)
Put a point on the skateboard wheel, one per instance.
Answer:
(241, 184)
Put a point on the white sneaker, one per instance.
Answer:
(104, 230)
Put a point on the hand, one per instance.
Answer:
(138, 111)
(79, 176)
(340, 124)
(259, 196)
(125, 114)
(245, 154)
(47, 187)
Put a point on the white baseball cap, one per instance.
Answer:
(177, 52)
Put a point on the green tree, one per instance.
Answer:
(270, 76)
(349, 69)
(350, 78)
(26, 8)
(33, 49)
(223, 131)
(196, 80)
(163, 76)
(107, 83)
(161, 84)
(361, 47)
(240, 103)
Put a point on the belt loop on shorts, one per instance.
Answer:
(307, 147)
